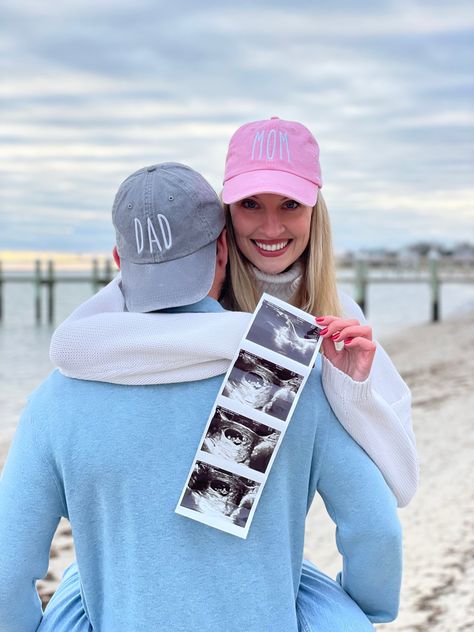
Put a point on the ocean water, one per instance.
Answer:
(24, 345)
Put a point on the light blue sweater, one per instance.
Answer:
(113, 460)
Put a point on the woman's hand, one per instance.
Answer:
(357, 355)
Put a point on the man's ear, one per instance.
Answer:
(221, 264)
(222, 249)
(116, 257)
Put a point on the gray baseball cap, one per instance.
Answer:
(167, 219)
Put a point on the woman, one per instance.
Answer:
(279, 242)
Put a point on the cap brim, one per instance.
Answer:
(270, 181)
(154, 286)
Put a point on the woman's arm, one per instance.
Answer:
(100, 341)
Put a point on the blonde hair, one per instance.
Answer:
(317, 293)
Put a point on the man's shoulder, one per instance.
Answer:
(58, 392)
(58, 387)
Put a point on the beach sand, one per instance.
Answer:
(437, 361)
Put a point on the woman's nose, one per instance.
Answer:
(272, 225)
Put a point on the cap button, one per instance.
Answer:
(272, 118)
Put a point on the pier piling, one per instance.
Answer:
(95, 275)
(108, 272)
(361, 284)
(37, 282)
(434, 283)
(50, 290)
(1, 292)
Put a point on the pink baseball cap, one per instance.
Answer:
(272, 156)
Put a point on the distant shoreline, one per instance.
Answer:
(461, 253)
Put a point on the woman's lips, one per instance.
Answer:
(271, 247)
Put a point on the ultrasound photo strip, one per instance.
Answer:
(250, 416)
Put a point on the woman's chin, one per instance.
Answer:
(272, 266)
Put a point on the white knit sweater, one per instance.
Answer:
(100, 341)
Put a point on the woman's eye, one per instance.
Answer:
(291, 204)
(248, 203)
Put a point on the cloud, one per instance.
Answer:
(96, 90)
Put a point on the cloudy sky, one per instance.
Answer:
(91, 90)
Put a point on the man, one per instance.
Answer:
(113, 460)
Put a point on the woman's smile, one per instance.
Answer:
(271, 247)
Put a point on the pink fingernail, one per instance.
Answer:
(320, 319)
(323, 331)
(348, 341)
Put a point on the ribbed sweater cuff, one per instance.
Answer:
(336, 382)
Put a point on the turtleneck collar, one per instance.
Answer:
(282, 285)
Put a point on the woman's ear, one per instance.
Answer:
(116, 257)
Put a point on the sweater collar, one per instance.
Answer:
(283, 285)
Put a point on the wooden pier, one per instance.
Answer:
(432, 271)
(49, 279)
